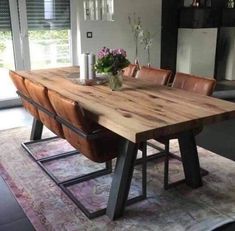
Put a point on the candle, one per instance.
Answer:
(83, 67)
(91, 63)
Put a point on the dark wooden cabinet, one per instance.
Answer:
(191, 17)
(175, 15)
(228, 18)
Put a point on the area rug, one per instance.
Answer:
(180, 208)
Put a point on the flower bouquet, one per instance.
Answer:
(111, 62)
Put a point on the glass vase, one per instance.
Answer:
(115, 81)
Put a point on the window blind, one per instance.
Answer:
(5, 22)
(41, 14)
(48, 14)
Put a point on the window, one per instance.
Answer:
(49, 32)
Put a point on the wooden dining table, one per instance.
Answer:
(139, 111)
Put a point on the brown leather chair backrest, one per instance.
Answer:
(20, 86)
(19, 83)
(38, 93)
(130, 71)
(155, 75)
(99, 149)
(193, 83)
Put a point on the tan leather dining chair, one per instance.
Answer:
(90, 139)
(155, 75)
(100, 149)
(47, 114)
(190, 83)
(130, 71)
(24, 95)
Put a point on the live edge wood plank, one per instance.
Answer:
(139, 111)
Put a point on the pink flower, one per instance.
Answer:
(111, 60)
(103, 52)
(118, 51)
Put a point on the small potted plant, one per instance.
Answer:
(111, 62)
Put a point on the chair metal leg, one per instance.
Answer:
(26, 144)
(75, 179)
(166, 166)
(108, 166)
(167, 156)
(36, 131)
(64, 185)
(144, 170)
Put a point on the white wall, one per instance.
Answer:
(196, 51)
(118, 34)
(226, 67)
(187, 3)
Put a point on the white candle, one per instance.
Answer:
(83, 67)
(91, 68)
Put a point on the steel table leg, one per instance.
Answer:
(36, 131)
(190, 159)
(121, 179)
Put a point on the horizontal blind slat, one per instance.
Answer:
(5, 21)
(49, 14)
(40, 15)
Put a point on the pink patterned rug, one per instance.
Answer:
(181, 208)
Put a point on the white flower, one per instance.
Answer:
(141, 33)
(146, 39)
(135, 23)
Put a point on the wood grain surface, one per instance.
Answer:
(139, 111)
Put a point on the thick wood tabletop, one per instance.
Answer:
(139, 111)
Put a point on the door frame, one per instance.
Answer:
(17, 51)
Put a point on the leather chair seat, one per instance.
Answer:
(100, 149)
